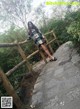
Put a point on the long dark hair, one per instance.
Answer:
(33, 27)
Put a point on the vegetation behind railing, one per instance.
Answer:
(7, 85)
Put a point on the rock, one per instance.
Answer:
(58, 86)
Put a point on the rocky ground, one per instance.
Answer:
(58, 85)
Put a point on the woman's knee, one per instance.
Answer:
(43, 46)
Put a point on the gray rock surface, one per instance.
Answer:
(58, 86)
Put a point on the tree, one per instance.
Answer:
(15, 11)
(70, 5)
(40, 14)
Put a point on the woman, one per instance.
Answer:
(39, 39)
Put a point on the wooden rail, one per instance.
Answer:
(3, 76)
(28, 57)
(15, 43)
(10, 90)
(15, 68)
(12, 44)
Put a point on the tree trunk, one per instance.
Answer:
(10, 90)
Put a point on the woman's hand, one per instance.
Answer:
(28, 38)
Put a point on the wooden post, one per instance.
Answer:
(56, 38)
(10, 90)
(25, 58)
(43, 56)
(49, 46)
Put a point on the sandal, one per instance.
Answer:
(53, 59)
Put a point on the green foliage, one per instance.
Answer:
(59, 28)
(14, 34)
(65, 29)
(74, 30)
(74, 27)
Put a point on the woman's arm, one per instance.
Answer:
(29, 36)
(43, 36)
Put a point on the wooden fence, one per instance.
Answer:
(4, 76)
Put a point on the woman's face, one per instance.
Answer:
(30, 24)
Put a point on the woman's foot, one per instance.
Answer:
(53, 59)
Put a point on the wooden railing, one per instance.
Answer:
(3, 76)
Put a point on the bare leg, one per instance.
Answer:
(47, 51)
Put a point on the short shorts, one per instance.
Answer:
(38, 39)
